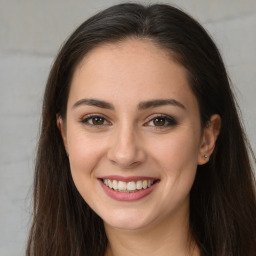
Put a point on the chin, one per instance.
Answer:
(125, 225)
(128, 221)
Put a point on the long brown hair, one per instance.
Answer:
(223, 201)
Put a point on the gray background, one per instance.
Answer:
(30, 35)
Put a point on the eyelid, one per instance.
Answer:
(87, 117)
(171, 121)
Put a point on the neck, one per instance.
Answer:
(169, 237)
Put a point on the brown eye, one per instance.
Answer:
(162, 122)
(95, 121)
(98, 120)
(159, 122)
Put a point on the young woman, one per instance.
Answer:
(141, 149)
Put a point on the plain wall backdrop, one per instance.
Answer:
(31, 33)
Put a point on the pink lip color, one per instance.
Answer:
(126, 196)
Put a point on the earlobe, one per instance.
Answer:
(62, 129)
(209, 137)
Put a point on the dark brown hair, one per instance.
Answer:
(223, 204)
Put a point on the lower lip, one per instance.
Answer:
(127, 196)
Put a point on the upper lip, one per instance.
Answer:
(127, 179)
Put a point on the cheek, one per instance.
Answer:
(178, 149)
(177, 157)
(83, 149)
(84, 156)
(178, 160)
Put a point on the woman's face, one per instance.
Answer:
(133, 134)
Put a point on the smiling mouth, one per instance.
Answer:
(128, 187)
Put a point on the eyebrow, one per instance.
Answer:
(93, 102)
(142, 106)
(159, 103)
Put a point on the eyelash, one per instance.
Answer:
(86, 120)
(168, 121)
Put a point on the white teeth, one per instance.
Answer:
(110, 184)
(122, 185)
(139, 184)
(131, 186)
(115, 184)
(145, 184)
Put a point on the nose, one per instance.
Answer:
(125, 150)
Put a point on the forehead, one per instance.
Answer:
(130, 70)
(132, 53)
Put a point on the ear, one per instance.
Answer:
(62, 128)
(209, 137)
